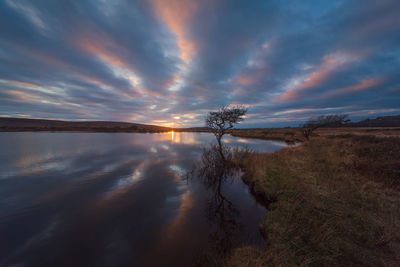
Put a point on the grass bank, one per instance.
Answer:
(280, 134)
(291, 135)
(334, 201)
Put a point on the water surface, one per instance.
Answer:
(116, 199)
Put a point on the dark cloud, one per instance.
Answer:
(158, 62)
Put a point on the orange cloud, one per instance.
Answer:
(23, 84)
(290, 95)
(176, 14)
(22, 96)
(163, 123)
(100, 82)
(245, 79)
(364, 84)
(315, 78)
(90, 79)
(330, 63)
(174, 79)
(103, 47)
(258, 67)
(46, 58)
(97, 45)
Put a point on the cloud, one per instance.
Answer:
(176, 14)
(173, 61)
(330, 63)
(362, 85)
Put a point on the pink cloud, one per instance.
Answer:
(102, 47)
(176, 14)
(248, 78)
(23, 84)
(362, 85)
(330, 64)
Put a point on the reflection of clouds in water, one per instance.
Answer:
(165, 147)
(179, 138)
(227, 141)
(235, 140)
(108, 175)
(161, 137)
(28, 160)
(40, 237)
(110, 166)
(137, 174)
(188, 139)
(184, 198)
(279, 144)
(125, 182)
(185, 203)
(179, 170)
(60, 158)
(176, 138)
(36, 168)
(180, 184)
(173, 199)
(167, 140)
(258, 145)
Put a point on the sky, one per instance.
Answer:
(169, 62)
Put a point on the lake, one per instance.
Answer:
(117, 199)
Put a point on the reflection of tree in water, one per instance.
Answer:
(216, 168)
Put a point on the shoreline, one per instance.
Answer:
(319, 194)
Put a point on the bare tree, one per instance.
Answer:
(334, 120)
(224, 119)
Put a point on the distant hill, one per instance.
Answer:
(193, 129)
(387, 121)
(18, 124)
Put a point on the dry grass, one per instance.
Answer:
(359, 131)
(283, 134)
(296, 135)
(333, 201)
